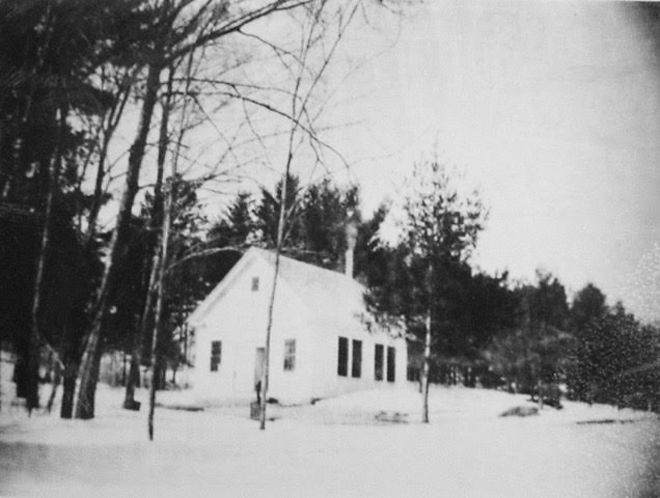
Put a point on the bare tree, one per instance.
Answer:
(118, 83)
(181, 27)
(301, 125)
(155, 224)
(161, 258)
(35, 334)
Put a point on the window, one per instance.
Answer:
(378, 362)
(289, 354)
(356, 367)
(413, 373)
(216, 354)
(255, 284)
(391, 366)
(342, 357)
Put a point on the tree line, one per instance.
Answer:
(470, 327)
(463, 325)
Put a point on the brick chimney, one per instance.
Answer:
(351, 237)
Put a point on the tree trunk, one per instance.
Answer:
(70, 355)
(470, 376)
(92, 354)
(155, 225)
(57, 379)
(426, 368)
(155, 359)
(107, 131)
(133, 379)
(134, 373)
(68, 389)
(162, 265)
(271, 301)
(185, 344)
(123, 369)
(161, 254)
(269, 326)
(427, 344)
(34, 341)
(140, 332)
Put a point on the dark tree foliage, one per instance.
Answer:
(225, 241)
(268, 209)
(370, 257)
(475, 306)
(237, 226)
(127, 295)
(325, 212)
(616, 361)
(483, 307)
(68, 282)
(534, 353)
(600, 354)
(230, 235)
(188, 279)
(546, 303)
(589, 304)
(316, 223)
(389, 278)
(50, 51)
(426, 279)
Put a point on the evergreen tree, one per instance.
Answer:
(616, 361)
(50, 54)
(325, 212)
(437, 229)
(237, 227)
(267, 214)
(534, 355)
(589, 304)
(316, 221)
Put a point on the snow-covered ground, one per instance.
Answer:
(337, 447)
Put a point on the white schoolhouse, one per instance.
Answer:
(323, 340)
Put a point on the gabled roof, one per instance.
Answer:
(332, 298)
(220, 289)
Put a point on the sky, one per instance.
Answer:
(551, 109)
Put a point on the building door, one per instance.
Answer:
(259, 365)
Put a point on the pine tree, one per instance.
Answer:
(437, 228)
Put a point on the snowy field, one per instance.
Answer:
(346, 446)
